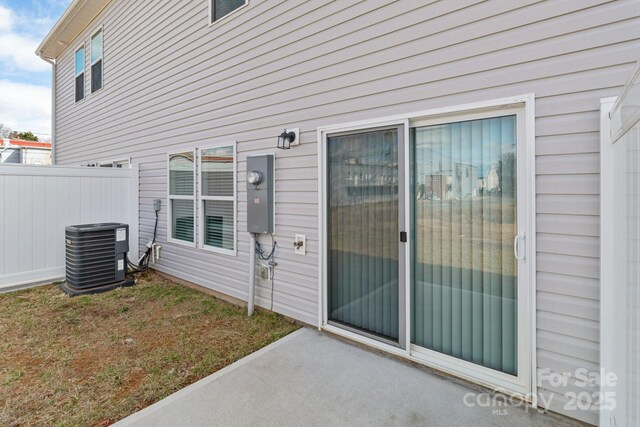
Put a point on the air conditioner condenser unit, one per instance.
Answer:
(96, 258)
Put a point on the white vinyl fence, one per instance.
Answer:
(38, 202)
(620, 258)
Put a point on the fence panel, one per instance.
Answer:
(620, 258)
(38, 202)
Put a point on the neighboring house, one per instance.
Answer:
(25, 152)
(471, 126)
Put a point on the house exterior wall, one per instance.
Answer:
(10, 155)
(25, 152)
(28, 156)
(36, 156)
(173, 82)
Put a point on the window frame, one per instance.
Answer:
(234, 198)
(211, 9)
(125, 162)
(82, 46)
(92, 63)
(170, 237)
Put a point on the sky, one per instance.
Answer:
(25, 79)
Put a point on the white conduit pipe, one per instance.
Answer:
(252, 272)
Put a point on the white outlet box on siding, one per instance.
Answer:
(300, 249)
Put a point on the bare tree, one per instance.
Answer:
(5, 131)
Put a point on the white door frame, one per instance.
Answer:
(524, 385)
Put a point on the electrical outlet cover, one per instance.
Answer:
(264, 272)
(300, 249)
(297, 132)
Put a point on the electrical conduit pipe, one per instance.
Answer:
(252, 273)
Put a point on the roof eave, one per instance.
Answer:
(54, 43)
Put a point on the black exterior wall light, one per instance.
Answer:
(287, 138)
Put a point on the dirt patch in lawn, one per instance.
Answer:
(93, 360)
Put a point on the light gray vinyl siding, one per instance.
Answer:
(172, 82)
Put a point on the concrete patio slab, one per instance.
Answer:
(312, 379)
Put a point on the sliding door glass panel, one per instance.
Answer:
(464, 278)
(362, 220)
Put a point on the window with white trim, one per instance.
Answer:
(218, 198)
(218, 9)
(96, 61)
(182, 197)
(79, 74)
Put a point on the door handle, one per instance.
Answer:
(516, 247)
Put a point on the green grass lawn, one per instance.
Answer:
(93, 360)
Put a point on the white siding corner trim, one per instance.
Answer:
(619, 393)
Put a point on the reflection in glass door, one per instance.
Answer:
(464, 272)
(362, 232)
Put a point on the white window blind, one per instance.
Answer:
(464, 290)
(182, 196)
(217, 193)
(362, 218)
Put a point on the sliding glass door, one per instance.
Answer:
(364, 273)
(424, 227)
(464, 223)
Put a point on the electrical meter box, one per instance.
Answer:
(261, 193)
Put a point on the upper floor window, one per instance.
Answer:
(96, 61)
(222, 8)
(79, 74)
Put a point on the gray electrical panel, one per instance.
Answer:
(261, 193)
